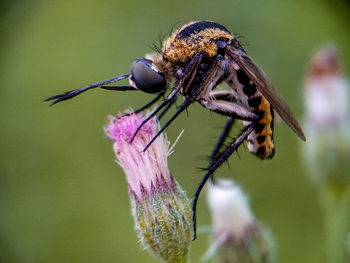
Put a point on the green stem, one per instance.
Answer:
(336, 209)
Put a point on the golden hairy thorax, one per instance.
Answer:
(201, 37)
(192, 38)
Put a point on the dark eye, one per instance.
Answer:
(146, 78)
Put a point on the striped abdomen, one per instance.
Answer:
(260, 141)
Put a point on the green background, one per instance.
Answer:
(62, 196)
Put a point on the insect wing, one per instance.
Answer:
(265, 86)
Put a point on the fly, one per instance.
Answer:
(199, 56)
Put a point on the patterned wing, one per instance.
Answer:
(261, 81)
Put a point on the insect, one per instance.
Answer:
(199, 56)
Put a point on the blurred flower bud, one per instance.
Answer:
(238, 236)
(159, 206)
(327, 118)
(326, 92)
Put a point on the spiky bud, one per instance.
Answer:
(159, 205)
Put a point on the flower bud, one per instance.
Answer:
(238, 236)
(327, 119)
(160, 207)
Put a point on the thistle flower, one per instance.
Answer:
(160, 207)
(238, 236)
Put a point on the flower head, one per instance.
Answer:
(238, 236)
(160, 208)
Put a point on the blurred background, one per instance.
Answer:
(62, 196)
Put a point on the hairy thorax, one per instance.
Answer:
(193, 38)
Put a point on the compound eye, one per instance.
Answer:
(146, 78)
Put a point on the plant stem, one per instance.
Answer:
(335, 203)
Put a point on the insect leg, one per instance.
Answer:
(188, 76)
(211, 80)
(151, 102)
(70, 94)
(222, 138)
(151, 116)
(223, 156)
(182, 108)
(229, 109)
(227, 96)
(148, 104)
(223, 95)
(215, 165)
(167, 108)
